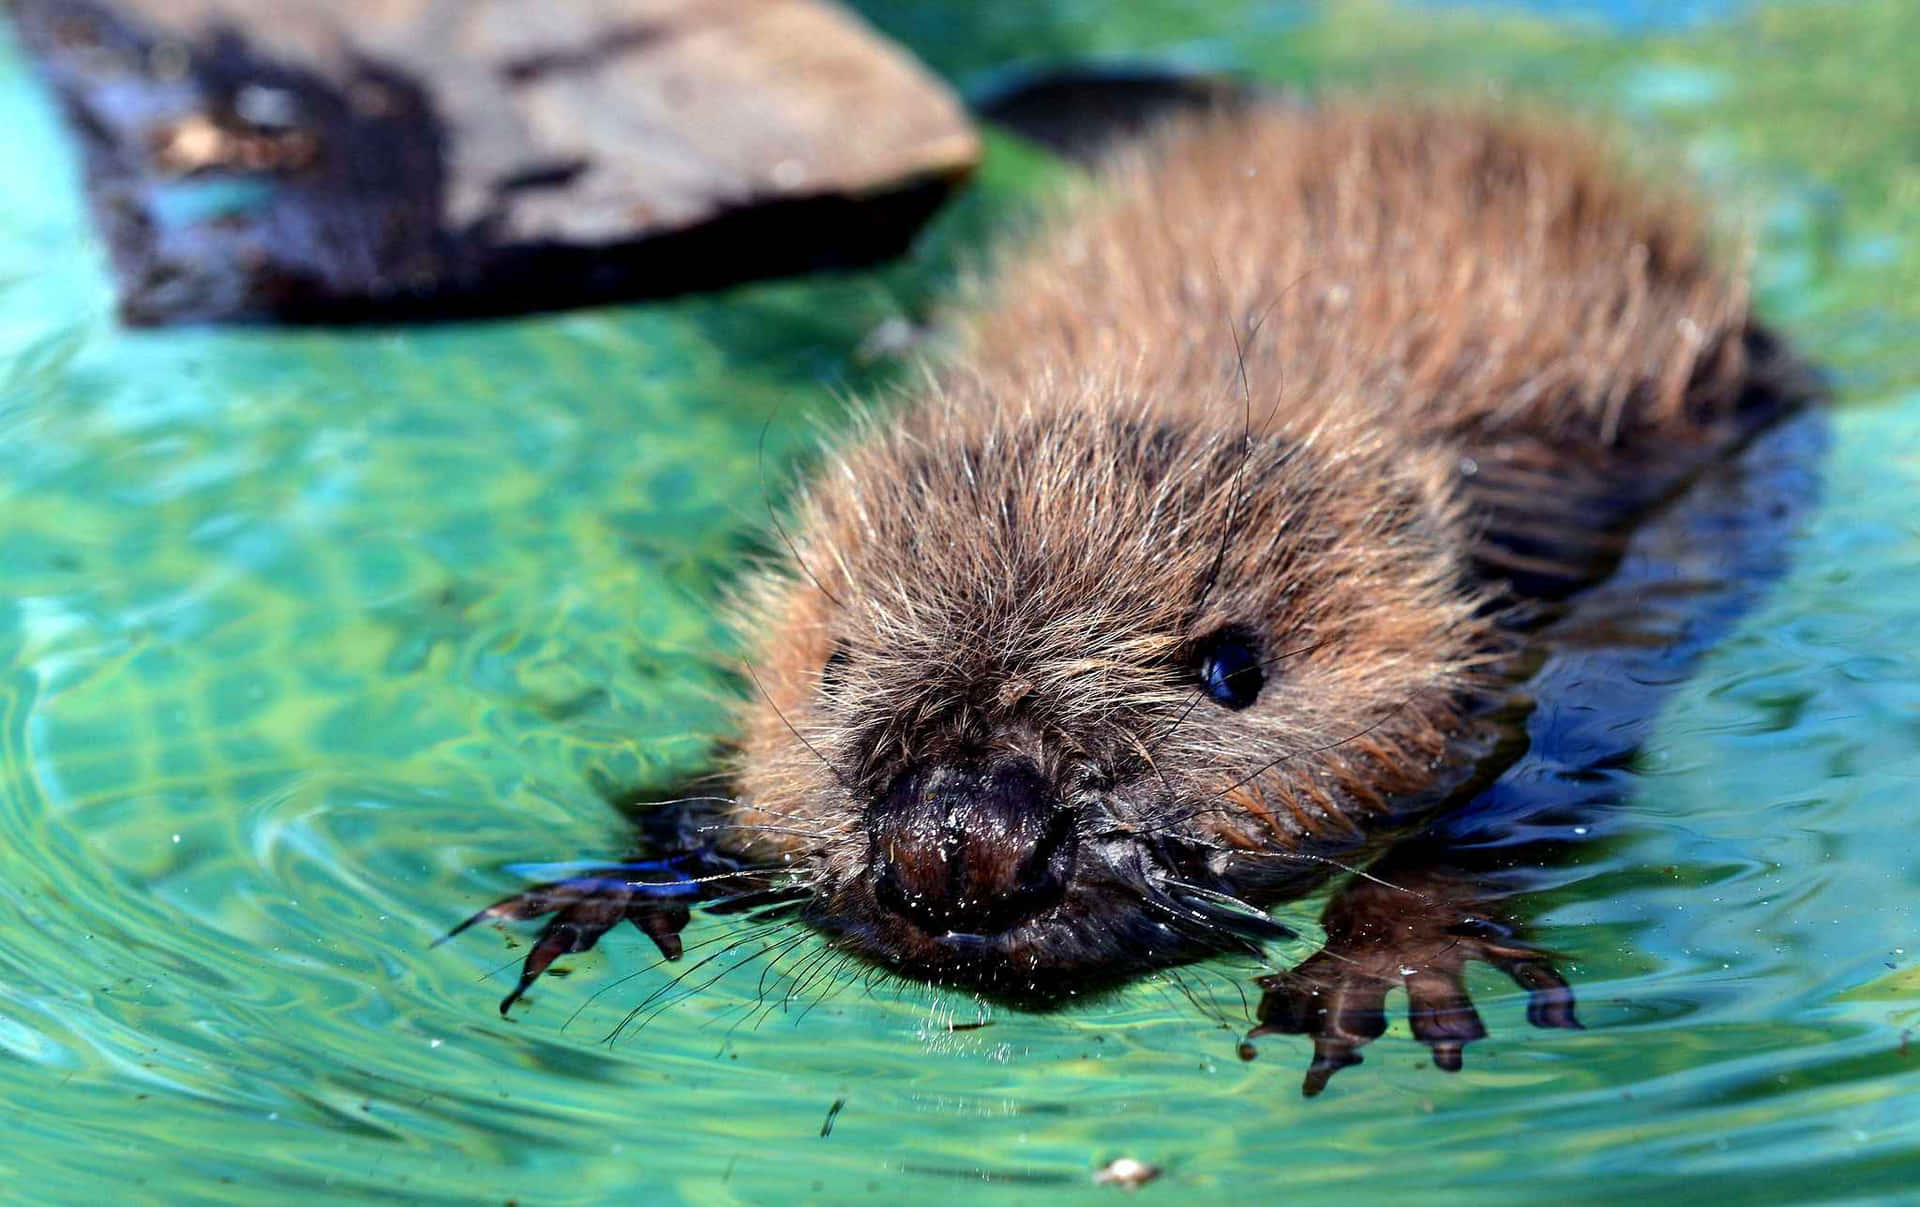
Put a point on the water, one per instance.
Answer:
(314, 641)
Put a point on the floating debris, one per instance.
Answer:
(833, 1112)
(1127, 1172)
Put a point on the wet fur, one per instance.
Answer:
(1286, 371)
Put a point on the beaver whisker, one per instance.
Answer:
(763, 1004)
(1145, 752)
(1200, 693)
(666, 991)
(847, 829)
(1295, 652)
(761, 903)
(1239, 989)
(755, 827)
(765, 869)
(824, 760)
(680, 800)
(745, 1012)
(1204, 928)
(766, 497)
(1209, 1007)
(803, 968)
(1208, 806)
(825, 967)
(610, 986)
(1193, 702)
(1296, 855)
(1171, 977)
(1313, 857)
(1279, 366)
(759, 1004)
(497, 969)
(1238, 917)
(758, 1009)
(1322, 749)
(1229, 528)
(837, 980)
(832, 970)
(1227, 905)
(783, 816)
(1308, 857)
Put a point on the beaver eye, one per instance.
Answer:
(1230, 670)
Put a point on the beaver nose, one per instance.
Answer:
(971, 848)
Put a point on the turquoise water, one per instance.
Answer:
(314, 641)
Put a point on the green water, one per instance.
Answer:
(311, 642)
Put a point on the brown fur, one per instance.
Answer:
(1240, 385)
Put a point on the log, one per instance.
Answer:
(379, 160)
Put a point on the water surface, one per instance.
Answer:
(312, 641)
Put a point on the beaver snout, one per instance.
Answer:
(971, 848)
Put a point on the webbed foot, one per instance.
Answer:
(586, 907)
(1337, 996)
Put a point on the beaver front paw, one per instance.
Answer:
(586, 907)
(1337, 995)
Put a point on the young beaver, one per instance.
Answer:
(1200, 562)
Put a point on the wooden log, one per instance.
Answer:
(352, 160)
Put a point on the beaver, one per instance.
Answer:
(1209, 554)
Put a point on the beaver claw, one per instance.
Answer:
(585, 908)
(1337, 996)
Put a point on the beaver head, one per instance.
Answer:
(1040, 694)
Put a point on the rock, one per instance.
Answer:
(354, 160)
